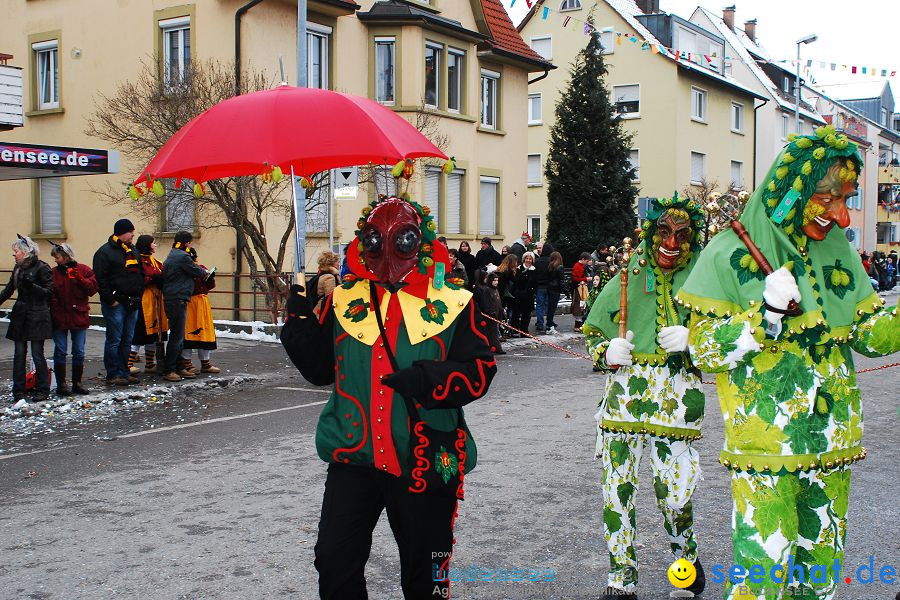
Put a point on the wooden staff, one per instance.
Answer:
(623, 303)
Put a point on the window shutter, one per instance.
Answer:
(432, 194)
(487, 212)
(454, 202)
(51, 204)
(697, 161)
(534, 169)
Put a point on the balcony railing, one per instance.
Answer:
(11, 99)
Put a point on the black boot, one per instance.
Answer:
(61, 388)
(699, 584)
(77, 373)
(612, 593)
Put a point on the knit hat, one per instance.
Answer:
(486, 240)
(143, 243)
(122, 226)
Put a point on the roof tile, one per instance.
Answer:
(504, 35)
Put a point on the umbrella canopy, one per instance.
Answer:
(308, 129)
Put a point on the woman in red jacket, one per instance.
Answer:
(73, 284)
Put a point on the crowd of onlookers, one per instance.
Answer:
(881, 268)
(144, 302)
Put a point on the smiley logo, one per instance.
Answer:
(682, 573)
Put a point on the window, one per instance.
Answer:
(634, 157)
(534, 170)
(543, 46)
(318, 206)
(885, 117)
(176, 50)
(433, 193)
(533, 226)
(607, 42)
(179, 206)
(627, 99)
(569, 5)
(785, 125)
(432, 68)
(698, 167)
(46, 55)
(698, 104)
(455, 185)
(535, 109)
(455, 77)
(490, 84)
(50, 202)
(384, 181)
(737, 175)
(384, 69)
(737, 117)
(786, 85)
(317, 37)
(487, 205)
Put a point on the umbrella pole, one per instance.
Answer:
(299, 234)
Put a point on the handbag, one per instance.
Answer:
(437, 459)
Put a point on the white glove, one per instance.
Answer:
(673, 339)
(781, 288)
(618, 353)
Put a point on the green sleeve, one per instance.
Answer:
(596, 344)
(714, 341)
(878, 334)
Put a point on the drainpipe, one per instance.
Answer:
(755, 130)
(238, 240)
(536, 79)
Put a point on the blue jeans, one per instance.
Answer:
(120, 324)
(540, 307)
(552, 303)
(60, 339)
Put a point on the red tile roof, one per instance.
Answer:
(504, 35)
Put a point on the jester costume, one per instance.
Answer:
(792, 410)
(430, 330)
(654, 405)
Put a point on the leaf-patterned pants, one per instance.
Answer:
(676, 469)
(796, 520)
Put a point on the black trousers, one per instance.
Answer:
(176, 313)
(422, 526)
(20, 356)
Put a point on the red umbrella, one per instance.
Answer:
(308, 129)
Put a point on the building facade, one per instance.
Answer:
(691, 121)
(459, 65)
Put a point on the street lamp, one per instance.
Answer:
(805, 40)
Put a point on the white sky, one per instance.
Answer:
(851, 32)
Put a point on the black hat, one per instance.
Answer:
(122, 226)
(486, 240)
(143, 243)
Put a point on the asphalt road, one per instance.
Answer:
(216, 494)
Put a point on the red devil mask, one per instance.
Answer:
(390, 240)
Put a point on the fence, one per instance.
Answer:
(248, 301)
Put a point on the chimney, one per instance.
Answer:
(648, 7)
(728, 16)
(750, 30)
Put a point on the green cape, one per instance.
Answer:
(834, 287)
(650, 291)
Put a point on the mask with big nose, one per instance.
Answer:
(391, 240)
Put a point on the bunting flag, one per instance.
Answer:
(566, 22)
(546, 13)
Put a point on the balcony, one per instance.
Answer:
(888, 175)
(11, 113)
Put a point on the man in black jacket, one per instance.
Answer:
(487, 255)
(542, 280)
(120, 280)
(179, 271)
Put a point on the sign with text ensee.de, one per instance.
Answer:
(54, 158)
(346, 183)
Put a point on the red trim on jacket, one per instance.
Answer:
(384, 455)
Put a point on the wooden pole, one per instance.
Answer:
(623, 302)
(793, 308)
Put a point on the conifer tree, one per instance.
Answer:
(589, 175)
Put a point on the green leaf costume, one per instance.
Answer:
(792, 410)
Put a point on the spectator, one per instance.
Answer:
(467, 259)
(891, 273)
(179, 272)
(344, 268)
(507, 275)
(541, 282)
(556, 277)
(504, 252)
(151, 327)
(457, 269)
(579, 288)
(120, 280)
(539, 249)
(523, 292)
(73, 285)
(29, 319)
(327, 278)
(866, 263)
(487, 255)
(520, 246)
(487, 297)
(199, 329)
